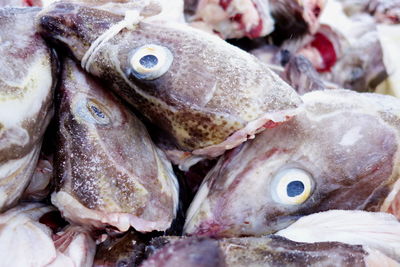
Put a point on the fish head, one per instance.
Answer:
(26, 99)
(107, 165)
(337, 154)
(192, 85)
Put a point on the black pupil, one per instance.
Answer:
(295, 188)
(148, 61)
(98, 112)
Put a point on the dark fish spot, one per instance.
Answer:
(149, 61)
(295, 188)
(98, 112)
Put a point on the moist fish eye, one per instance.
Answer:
(150, 61)
(291, 186)
(295, 188)
(91, 111)
(97, 112)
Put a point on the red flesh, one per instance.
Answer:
(327, 51)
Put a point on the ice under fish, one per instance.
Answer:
(26, 240)
(342, 152)
(206, 95)
(108, 170)
(26, 96)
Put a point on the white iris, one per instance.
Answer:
(292, 186)
(150, 61)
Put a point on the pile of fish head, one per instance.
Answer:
(205, 94)
(341, 152)
(26, 83)
(108, 170)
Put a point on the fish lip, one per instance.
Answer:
(266, 121)
(99, 219)
(209, 228)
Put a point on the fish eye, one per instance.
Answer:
(150, 61)
(97, 112)
(292, 186)
(91, 111)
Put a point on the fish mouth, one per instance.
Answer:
(15, 176)
(76, 212)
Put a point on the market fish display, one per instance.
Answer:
(26, 240)
(26, 91)
(207, 95)
(342, 152)
(108, 170)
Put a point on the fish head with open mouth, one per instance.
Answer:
(206, 94)
(26, 99)
(340, 153)
(109, 171)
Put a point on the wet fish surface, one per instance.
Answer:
(26, 98)
(262, 251)
(108, 170)
(207, 95)
(341, 153)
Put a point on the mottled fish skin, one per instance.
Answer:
(263, 251)
(210, 92)
(344, 145)
(109, 171)
(26, 96)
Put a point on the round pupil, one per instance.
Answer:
(295, 188)
(148, 61)
(98, 112)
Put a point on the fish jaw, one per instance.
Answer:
(225, 89)
(107, 166)
(341, 143)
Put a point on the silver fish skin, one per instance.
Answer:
(207, 95)
(260, 251)
(26, 241)
(26, 98)
(342, 152)
(378, 231)
(108, 170)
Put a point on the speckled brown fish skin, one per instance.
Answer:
(211, 90)
(26, 97)
(109, 171)
(263, 251)
(346, 142)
